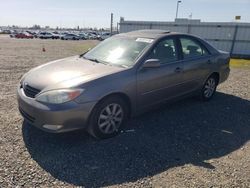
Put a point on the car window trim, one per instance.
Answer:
(176, 51)
(196, 58)
(196, 41)
(174, 38)
(141, 60)
(170, 63)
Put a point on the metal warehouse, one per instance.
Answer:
(233, 37)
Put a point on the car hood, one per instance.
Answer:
(66, 73)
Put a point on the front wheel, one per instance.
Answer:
(108, 117)
(209, 88)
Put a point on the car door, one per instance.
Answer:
(155, 85)
(196, 63)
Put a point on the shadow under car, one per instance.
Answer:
(188, 131)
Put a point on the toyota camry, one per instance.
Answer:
(121, 77)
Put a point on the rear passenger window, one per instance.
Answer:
(191, 48)
(165, 51)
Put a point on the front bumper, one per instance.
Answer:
(60, 117)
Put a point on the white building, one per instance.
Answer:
(232, 37)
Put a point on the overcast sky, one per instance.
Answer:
(96, 13)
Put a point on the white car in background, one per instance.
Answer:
(13, 34)
(92, 36)
(70, 36)
(83, 36)
(45, 35)
(55, 35)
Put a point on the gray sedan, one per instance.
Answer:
(121, 77)
(70, 36)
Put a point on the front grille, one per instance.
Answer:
(30, 91)
(27, 116)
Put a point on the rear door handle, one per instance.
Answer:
(178, 70)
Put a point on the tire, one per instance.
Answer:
(108, 117)
(209, 88)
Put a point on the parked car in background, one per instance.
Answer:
(55, 35)
(31, 33)
(63, 33)
(70, 36)
(121, 77)
(84, 36)
(92, 36)
(6, 31)
(45, 35)
(24, 35)
(36, 33)
(104, 36)
(13, 34)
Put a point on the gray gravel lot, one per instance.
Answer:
(184, 144)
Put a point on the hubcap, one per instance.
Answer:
(209, 87)
(110, 118)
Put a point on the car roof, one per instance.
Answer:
(153, 34)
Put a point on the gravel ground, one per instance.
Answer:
(185, 144)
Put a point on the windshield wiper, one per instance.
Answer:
(92, 59)
(104, 62)
(96, 60)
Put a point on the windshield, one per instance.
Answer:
(120, 51)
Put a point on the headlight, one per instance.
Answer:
(59, 96)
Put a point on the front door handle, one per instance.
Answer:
(178, 70)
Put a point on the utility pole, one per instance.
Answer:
(177, 9)
(111, 24)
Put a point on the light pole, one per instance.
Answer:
(177, 9)
(111, 24)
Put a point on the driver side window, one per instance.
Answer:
(165, 51)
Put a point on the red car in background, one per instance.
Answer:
(24, 36)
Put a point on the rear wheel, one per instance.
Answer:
(209, 88)
(108, 117)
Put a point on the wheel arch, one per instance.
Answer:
(121, 95)
(217, 76)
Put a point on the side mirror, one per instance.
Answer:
(152, 63)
